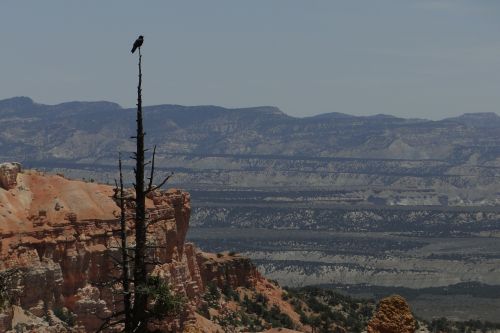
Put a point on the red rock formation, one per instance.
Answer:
(8, 175)
(225, 269)
(393, 315)
(62, 233)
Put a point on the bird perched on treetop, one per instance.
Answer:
(138, 43)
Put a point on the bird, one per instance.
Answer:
(138, 43)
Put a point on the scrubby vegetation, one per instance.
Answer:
(242, 308)
(260, 306)
(470, 326)
(322, 310)
(325, 310)
(66, 316)
(7, 278)
(164, 302)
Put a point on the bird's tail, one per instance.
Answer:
(133, 49)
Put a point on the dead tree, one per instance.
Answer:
(139, 311)
(127, 305)
(145, 298)
(132, 288)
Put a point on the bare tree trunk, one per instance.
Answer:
(134, 281)
(125, 260)
(140, 274)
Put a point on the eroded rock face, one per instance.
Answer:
(6, 319)
(232, 270)
(393, 315)
(8, 175)
(62, 234)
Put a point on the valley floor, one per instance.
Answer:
(456, 277)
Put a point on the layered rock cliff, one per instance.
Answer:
(61, 236)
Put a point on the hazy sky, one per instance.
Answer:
(412, 58)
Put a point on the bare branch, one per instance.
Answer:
(165, 180)
(108, 323)
(151, 176)
(161, 184)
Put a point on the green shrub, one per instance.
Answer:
(66, 316)
(164, 302)
(212, 295)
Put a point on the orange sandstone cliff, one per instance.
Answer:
(61, 235)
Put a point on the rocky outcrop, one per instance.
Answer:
(393, 315)
(6, 319)
(228, 269)
(63, 234)
(8, 175)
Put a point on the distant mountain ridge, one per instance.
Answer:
(255, 130)
(262, 146)
(24, 102)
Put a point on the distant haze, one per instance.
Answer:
(409, 58)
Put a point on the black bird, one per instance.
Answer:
(138, 43)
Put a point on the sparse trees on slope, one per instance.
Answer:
(7, 278)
